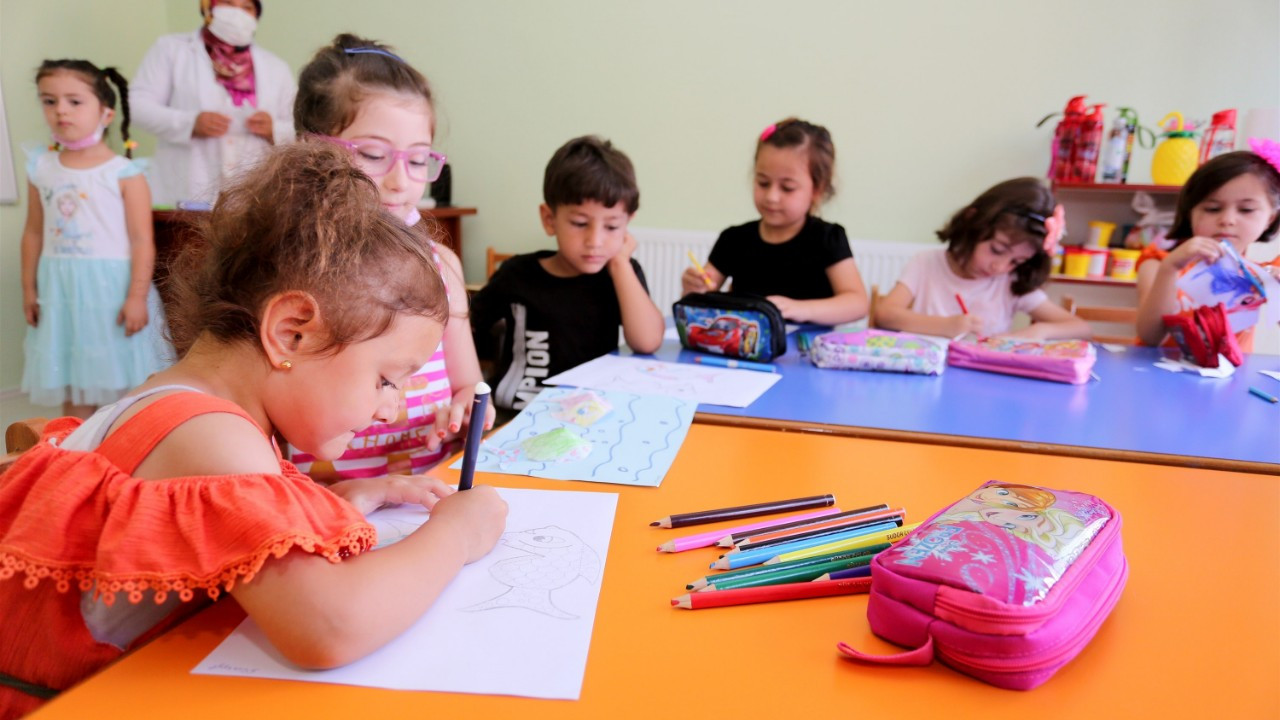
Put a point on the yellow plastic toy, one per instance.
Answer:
(1176, 156)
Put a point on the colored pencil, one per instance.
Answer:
(960, 300)
(787, 575)
(828, 525)
(479, 404)
(711, 285)
(850, 544)
(733, 538)
(745, 511)
(735, 364)
(709, 538)
(864, 571)
(1264, 395)
(759, 569)
(772, 593)
(757, 557)
(822, 535)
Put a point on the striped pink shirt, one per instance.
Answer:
(399, 447)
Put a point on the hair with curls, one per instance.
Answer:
(816, 141)
(335, 82)
(100, 80)
(1218, 172)
(1018, 208)
(305, 219)
(590, 168)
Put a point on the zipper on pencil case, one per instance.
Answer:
(1027, 619)
(1054, 656)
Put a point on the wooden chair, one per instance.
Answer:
(1104, 314)
(20, 437)
(875, 297)
(492, 259)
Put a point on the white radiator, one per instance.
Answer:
(664, 255)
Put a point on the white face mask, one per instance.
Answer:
(233, 25)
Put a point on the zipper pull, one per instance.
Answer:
(919, 657)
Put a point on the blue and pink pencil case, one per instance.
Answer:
(879, 350)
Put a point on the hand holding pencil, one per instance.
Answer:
(696, 278)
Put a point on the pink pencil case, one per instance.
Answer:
(879, 350)
(1007, 585)
(1068, 361)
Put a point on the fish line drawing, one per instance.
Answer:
(554, 558)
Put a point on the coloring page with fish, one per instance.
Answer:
(592, 435)
(517, 622)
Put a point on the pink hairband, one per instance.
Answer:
(768, 131)
(1268, 150)
(1054, 225)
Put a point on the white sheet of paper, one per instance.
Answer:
(696, 383)
(517, 622)
(1225, 368)
(1273, 374)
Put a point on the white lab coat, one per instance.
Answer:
(174, 84)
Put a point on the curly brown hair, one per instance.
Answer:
(1018, 208)
(303, 219)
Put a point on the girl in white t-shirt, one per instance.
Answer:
(997, 257)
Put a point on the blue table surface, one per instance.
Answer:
(1135, 406)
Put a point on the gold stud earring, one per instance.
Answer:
(286, 365)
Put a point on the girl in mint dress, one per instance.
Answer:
(94, 317)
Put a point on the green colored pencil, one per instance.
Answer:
(802, 574)
(803, 562)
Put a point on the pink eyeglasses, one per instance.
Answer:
(377, 158)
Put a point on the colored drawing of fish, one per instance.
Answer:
(554, 558)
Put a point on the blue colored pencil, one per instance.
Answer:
(756, 557)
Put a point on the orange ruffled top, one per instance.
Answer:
(1244, 338)
(73, 522)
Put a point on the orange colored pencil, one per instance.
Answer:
(772, 593)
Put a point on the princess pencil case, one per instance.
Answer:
(734, 325)
(879, 350)
(1007, 585)
(1068, 361)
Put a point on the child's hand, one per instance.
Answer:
(964, 325)
(623, 259)
(450, 421)
(1196, 248)
(789, 308)
(260, 124)
(369, 494)
(479, 514)
(211, 125)
(31, 309)
(133, 315)
(693, 281)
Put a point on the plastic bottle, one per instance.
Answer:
(1176, 157)
(1065, 138)
(1084, 162)
(1220, 137)
(1119, 148)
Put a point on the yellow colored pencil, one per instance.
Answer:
(701, 271)
(842, 545)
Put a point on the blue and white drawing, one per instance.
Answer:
(592, 435)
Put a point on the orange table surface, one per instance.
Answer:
(1196, 632)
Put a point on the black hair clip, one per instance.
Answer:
(372, 51)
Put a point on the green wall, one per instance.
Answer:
(929, 101)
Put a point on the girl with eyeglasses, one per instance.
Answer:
(358, 94)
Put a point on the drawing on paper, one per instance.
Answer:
(554, 558)
(593, 435)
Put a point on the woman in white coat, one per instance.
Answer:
(213, 99)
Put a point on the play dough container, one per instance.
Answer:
(1075, 262)
(1097, 262)
(1100, 233)
(1124, 264)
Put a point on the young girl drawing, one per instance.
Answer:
(87, 250)
(799, 262)
(996, 259)
(359, 95)
(1233, 198)
(301, 312)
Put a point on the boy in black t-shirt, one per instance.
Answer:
(548, 311)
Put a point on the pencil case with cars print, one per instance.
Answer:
(1007, 585)
(1068, 361)
(881, 350)
(734, 325)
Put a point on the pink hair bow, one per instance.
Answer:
(1268, 150)
(1053, 227)
(768, 131)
